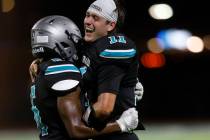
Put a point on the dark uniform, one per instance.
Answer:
(111, 65)
(44, 94)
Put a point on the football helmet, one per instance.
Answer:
(55, 35)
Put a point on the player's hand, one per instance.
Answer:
(139, 91)
(128, 121)
(33, 69)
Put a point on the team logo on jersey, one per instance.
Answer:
(117, 39)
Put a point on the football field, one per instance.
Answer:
(153, 132)
(176, 132)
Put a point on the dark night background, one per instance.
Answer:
(179, 90)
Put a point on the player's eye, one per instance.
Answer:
(87, 14)
(96, 18)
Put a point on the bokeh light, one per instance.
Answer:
(153, 60)
(195, 44)
(206, 41)
(174, 38)
(155, 45)
(161, 11)
(7, 5)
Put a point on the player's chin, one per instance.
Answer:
(89, 37)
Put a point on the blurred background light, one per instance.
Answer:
(155, 45)
(153, 60)
(7, 5)
(206, 41)
(161, 11)
(174, 38)
(195, 44)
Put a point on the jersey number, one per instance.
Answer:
(43, 128)
(119, 39)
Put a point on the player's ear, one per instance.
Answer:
(111, 26)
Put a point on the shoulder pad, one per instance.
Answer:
(62, 75)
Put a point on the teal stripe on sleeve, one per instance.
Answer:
(118, 54)
(61, 69)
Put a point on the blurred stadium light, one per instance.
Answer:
(174, 38)
(195, 44)
(206, 41)
(155, 45)
(7, 5)
(161, 11)
(153, 60)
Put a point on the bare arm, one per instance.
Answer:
(104, 105)
(33, 69)
(69, 108)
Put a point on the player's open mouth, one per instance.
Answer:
(89, 30)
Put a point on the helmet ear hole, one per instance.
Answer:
(69, 50)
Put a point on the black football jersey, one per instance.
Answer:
(56, 78)
(110, 64)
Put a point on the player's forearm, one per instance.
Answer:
(104, 105)
(77, 129)
(69, 108)
(110, 128)
(96, 115)
(82, 131)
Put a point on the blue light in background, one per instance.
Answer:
(174, 38)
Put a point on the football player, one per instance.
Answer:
(111, 63)
(55, 90)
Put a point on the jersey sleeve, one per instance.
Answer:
(62, 77)
(115, 58)
(109, 79)
(116, 48)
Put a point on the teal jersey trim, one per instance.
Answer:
(61, 69)
(83, 70)
(42, 127)
(118, 54)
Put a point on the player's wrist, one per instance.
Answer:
(92, 121)
(121, 125)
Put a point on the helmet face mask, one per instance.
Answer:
(55, 33)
